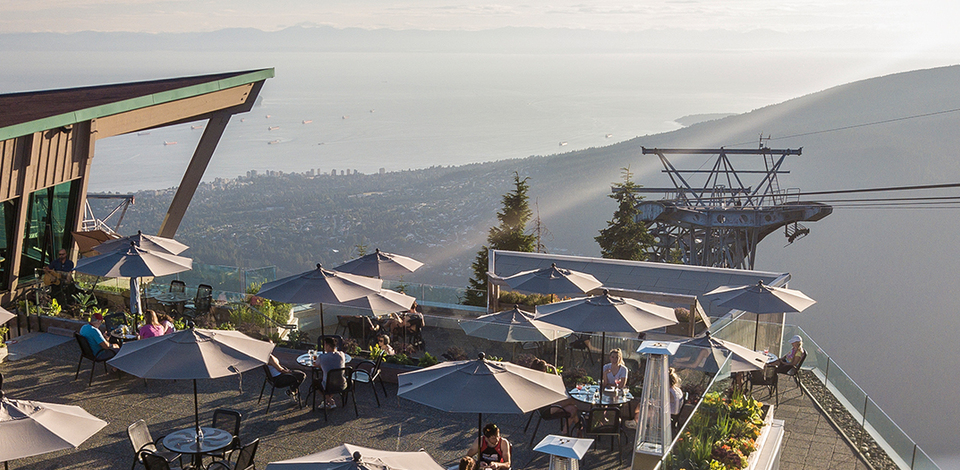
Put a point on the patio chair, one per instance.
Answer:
(178, 286)
(416, 334)
(369, 372)
(86, 352)
(795, 372)
(546, 413)
(142, 441)
(343, 323)
(766, 378)
(152, 461)
(580, 343)
(201, 303)
(244, 459)
(605, 421)
(269, 379)
(339, 382)
(227, 420)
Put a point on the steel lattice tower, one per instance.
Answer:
(721, 222)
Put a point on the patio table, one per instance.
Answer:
(184, 441)
(172, 299)
(591, 395)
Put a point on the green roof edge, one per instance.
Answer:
(108, 109)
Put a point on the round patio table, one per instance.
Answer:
(184, 441)
(590, 395)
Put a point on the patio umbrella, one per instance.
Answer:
(383, 302)
(134, 262)
(29, 428)
(5, 316)
(147, 242)
(351, 457)
(552, 280)
(88, 240)
(320, 286)
(707, 353)
(481, 386)
(760, 299)
(192, 354)
(605, 313)
(512, 326)
(380, 264)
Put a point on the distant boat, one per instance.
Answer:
(372, 110)
(197, 127)
(609, 136)
(268, 116)
(143, 133)
(273, 142)
(170, 143)
(308, 121)
(321, 143)
(562, 144)
(243, 119)
(273, 128)
(344, 117)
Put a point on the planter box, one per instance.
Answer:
(767, 455)
(389, 372)
(3, 353)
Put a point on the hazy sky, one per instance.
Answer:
(922, 22)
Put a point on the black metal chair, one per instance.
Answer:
(339, 382)
(369, 372)
(141, 440)
(580, 343)
(178, 286)
(201, 303)
(244, 459)
(546, 413)
(795, 372)
(605, 421)
(766, 378)
(152, 461)
(269, 379)
(227, 420)
(86, 352)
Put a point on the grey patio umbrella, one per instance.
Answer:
(760, 299)
(383, 302)
(351, 457)
(606, 314)
(192, 354)
(706, 353)
(380, 264)
(134, 262)
(153, 243)
(512, 326)
(5, 316)
(481, 386)
(320, 286)
(29, 428)
(552, 280)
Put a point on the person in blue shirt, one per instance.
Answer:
(100, 346)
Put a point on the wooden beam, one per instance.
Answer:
(165, 114)
(191, 178)
(85, 133)
(28, 154)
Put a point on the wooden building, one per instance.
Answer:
(48, 141)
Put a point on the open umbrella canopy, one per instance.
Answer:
(707, 353)
(380, 264)
(154, 243)
(29, 428)
(192, 354)
(5, 316)
(552, 280)
(607, 314)
(383, 302)
(320, 286)
(351, 457)
(760, 298)
(513, 325)
(133, 261)
(88, 240)
(481, 386)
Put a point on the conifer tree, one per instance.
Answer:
(625, 237)
(509, 235)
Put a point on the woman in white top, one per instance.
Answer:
(676, 394)
(615, 373)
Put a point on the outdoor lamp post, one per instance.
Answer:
(565, 452)
(653, 430)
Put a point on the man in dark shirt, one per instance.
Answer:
(59, 275)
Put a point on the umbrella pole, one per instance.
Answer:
(196, 404)
(322, 328)
(603, 351)
(756, 333)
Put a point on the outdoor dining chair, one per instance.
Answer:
(178, 287)
(227, 420)
(244, 459)
(339, 382)
(152, 461)
(201, 303)
(605, 421)
(141, 440)
(369, 372)
(546, 413)
(766, 378)
(86, 352)
(795, 372)
(269, 379)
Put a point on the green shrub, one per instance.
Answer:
(427, 360)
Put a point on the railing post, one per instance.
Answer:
(913, 459)
(863, 418)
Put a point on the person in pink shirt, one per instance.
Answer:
(151, 326)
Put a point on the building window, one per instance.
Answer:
(8, 217)
(51, 216)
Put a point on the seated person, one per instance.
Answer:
(151, 325)
(676, 398)
(61, 268)
(615, 373)
(565, 409)
(790, 359)
(283, 377)
(491, 450)
(98, 344)
(167, 323)
(330, 359)
(384, 342)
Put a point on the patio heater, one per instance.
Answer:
(565, 452)
(653, 430)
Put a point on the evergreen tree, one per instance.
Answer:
(625, 237)
(509, 235)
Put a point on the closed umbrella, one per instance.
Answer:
(147, 242)
(29, 428)
(552, 280)
(352, 457)
(191, 355)
(320, 286)
(380, 264)
(605, 313)
(481, 386)
(760, 299)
